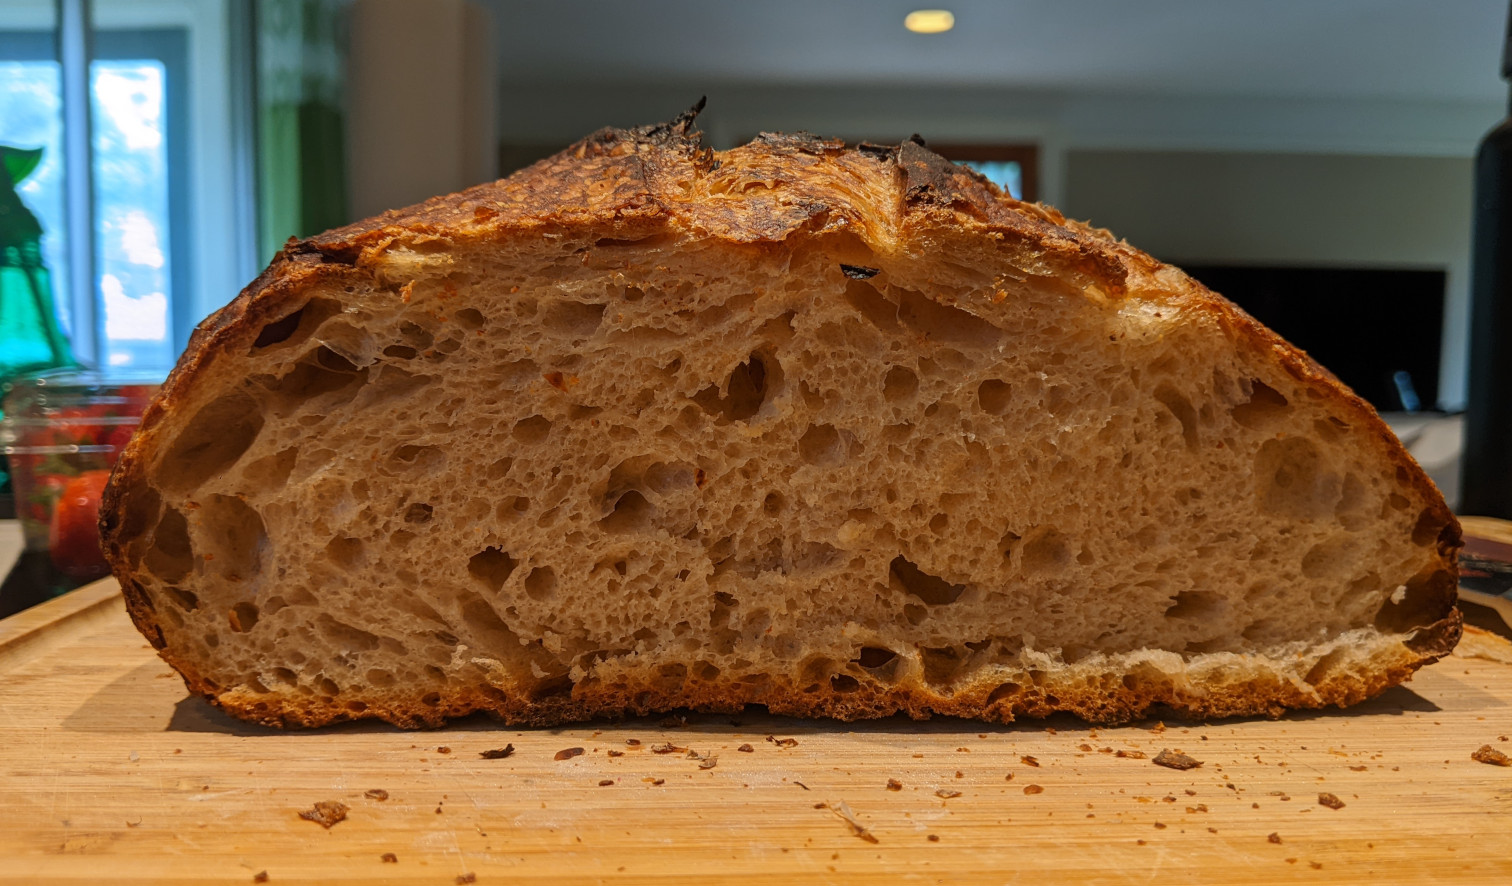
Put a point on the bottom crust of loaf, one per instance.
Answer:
(1342, 671)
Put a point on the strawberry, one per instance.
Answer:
(74, 536)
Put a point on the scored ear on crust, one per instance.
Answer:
(841, 431)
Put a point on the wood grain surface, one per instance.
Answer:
(110, 774)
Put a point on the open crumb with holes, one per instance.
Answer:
(839, 431)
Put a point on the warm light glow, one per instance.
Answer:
(929, 21)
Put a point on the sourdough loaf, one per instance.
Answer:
(842, 431)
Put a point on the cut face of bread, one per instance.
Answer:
(842, 432)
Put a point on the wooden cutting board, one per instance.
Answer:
(110, 774)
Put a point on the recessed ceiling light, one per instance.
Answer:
(929, 21)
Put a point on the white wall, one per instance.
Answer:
(1300, 209)
(420, 81)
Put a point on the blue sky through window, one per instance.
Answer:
(131, 196)
(1008, 175)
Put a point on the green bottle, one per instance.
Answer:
(30, 339)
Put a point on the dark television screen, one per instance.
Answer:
(1367, 326)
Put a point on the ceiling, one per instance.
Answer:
(1426, 50)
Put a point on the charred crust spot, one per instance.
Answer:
(926, 175)
(859, 272)
(324, 253)
(877, 152)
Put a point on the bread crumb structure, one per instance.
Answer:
(840, 431)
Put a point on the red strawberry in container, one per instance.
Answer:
(74, 534)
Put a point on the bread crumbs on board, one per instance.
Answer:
(1175, 760)
(326, 813)
(1487, 754)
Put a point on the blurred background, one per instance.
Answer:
(1311, 159)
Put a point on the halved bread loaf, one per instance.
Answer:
(839, 431)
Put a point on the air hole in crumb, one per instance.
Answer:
(171, 556)
(939, 522)
(899, 384)
(380, 678)
(418, 512)
(468, 318)
(243, 617)
(1046, 550)
(298, 326)
(915, 614)
(346, 552)
(941, 665)
(414, 459)
(185, 600)
(941, 323)
(631, 513)
(1429, 524)
(1003, 690)
(1266, 406)
(1196, 606)
(232, 537)
(844, 683)
(748, 388)
(875, 657)
(278, 330)
(994, 396)
(484, 623)
(492, 566)
(1181, 408)
(541, 583)
(270, 473)
(532, 429)
(212, 441)
(512, 508)
(773, 503)
(933, 590)
(821, 445)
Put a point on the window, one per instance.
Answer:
(139, 182)
(1014, 168)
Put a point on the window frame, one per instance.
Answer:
(168, 46)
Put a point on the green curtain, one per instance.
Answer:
(301, 148)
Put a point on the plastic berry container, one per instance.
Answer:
(59, 425)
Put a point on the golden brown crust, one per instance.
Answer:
(636, 183)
